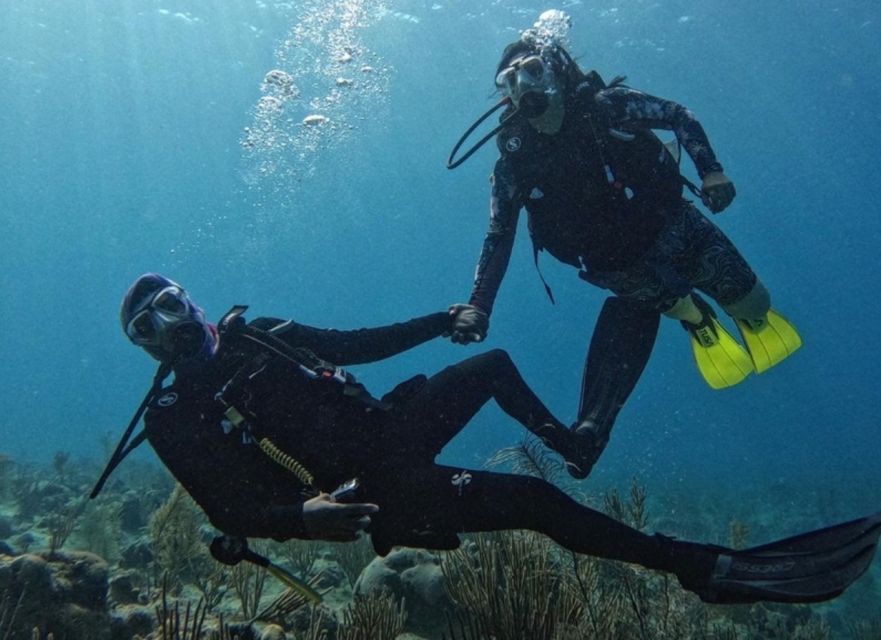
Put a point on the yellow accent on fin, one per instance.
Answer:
(773, 343)
(724, 363)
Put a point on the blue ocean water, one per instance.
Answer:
(136, 136)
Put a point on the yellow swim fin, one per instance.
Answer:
(769, 341)
(721, 360)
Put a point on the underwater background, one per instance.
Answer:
(143, 135)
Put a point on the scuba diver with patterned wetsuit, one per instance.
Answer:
(260, 425)
(604, 195)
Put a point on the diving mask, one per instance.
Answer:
(168, 324)
(528, 75)
(165, 310)
(157, 315)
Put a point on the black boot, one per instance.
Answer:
(580, 445)
(587, 447)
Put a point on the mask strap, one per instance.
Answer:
(567, 59)
(452, 164)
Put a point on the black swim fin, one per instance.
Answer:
(811, 567)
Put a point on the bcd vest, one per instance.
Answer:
(595, 195)
(280, 384)
(302, 404)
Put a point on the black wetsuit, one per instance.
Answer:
(337, 435)
(604, 195)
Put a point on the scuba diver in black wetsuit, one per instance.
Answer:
(604, 195)
(260, 424)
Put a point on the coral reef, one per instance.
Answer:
(65, 593)
(378, 616)
(175, 537)
(134, 564)
(413, 577)
(510, 585)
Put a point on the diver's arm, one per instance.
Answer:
(318, 518)
(630, 109)
(499, 240)
(360, 345)
(280, 522)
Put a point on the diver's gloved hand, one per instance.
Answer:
(325, 519)
(467, 324)
(717, 191)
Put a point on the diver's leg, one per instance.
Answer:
(689, 253)
(810, 567)
(497, 501)
(619, 351)
(434, 503)
(715, 266)
(451, 398)
(686, 310)
(755, 304)
(718, 268)
(768, 335)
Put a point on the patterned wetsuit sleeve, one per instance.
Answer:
(212, 472)
(504, 211)
(631, 109)
(360, 345)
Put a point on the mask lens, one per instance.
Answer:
(506, 78)
(534, 66)
(171, 300)
(524, 75)
(141, 329)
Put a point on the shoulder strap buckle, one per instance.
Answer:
(232, 319)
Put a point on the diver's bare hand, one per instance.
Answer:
(325, 519)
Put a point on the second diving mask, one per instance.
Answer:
(527, 85)
(527, 81)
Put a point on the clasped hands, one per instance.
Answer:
(467, 324)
